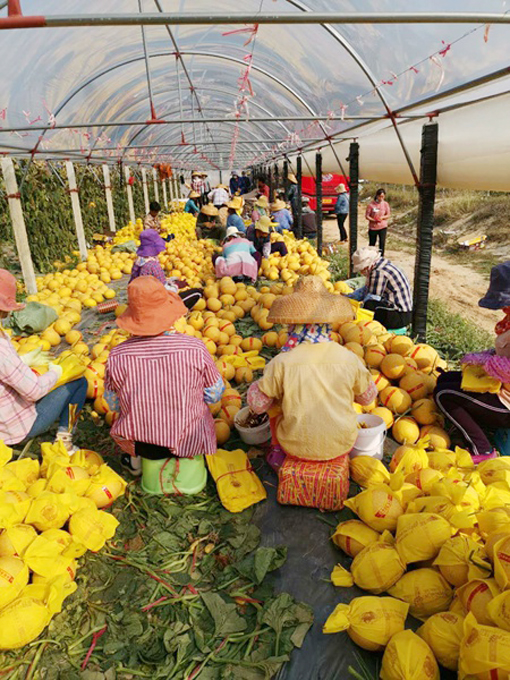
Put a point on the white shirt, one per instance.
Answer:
(219, 196)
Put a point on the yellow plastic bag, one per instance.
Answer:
(9, 481)
(13, 578)
(26, 470)
(420, 536)
(498, 610)
(424, 479)
(238, 486)
(407, 459)
(5, 453)
(378, 507)
(73, 367)
(502, 562)
(494, 470)
(49, 510)
(353, 535)
(484, 651)
(70, 479)
(475, 379)
(90, 460)
(15, 540)
(105, 487)
(22, 621)
(441, 460)
(377, 567)
(492, 539)
(496, 496)
(92, 527)
(53, 453)
(341, 577)
(459, 493)
(367, 471)
(408, 657)
(426, 591)
(462, 559)
(475, 596)
(443, 632)
(71, 547)
(14, 506)
(44, 556)
(490, 521)
(369, 621)
(52, 592)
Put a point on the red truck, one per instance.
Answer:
(329, 194)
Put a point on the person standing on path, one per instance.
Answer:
(342, 210)
(377, 214)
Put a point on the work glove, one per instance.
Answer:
(37, 357)
(56, 369)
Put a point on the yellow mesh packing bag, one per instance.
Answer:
(420, 536)
(377, 567)
(92, 527)
(367, 471)
(494, 470)
(105, 487)
(484, 651)
(475, 597)
(69, 479)
(498, 610)
(462, 559)
(15, 540)
(353, 535)
(443, 632)
(13, 578)
(341, 577)
(14, 506)
(238, 486)
(408, 657)
(502, 562)
(493, 538)
(407, 459)
(67, 576)
(26, 470)
(44, 556)
(90, 460)
(459, 493)
(425, 590)
(378, 507)
(490, 521)
(370, 622)
(49, 510)
(424, 479)
(405, 492)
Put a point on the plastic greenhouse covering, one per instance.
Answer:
(219, 95)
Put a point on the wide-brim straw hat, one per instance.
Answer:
(311, 302)
(236, 203)
(194, 194)
(210, 210)
(341, 189)
(151, 309)
(278, 205)
(262, 202)
(8, 293)
(292, 178)
(232, 231)
(196, 173)
(264, 224)
(222, 186)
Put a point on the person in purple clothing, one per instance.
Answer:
(147, 264)
(280, 214)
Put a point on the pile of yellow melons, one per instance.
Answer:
(179, 224)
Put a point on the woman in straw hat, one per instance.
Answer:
(259, 235)
(342, 210)
(293, 194)
(237, 259)
(260, 209)
(191, 206)
(280, 214)
(30, 403)
(160, 381)
(219, 196)
(209, 224)
(314, 380)
(234, 219)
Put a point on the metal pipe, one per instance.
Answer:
(353, 201)
(187, 19)
(318, 196)
(299, 197)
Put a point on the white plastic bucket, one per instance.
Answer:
(251, 435)
(370, 441)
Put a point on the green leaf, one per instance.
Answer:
(256, 566)
(226, 618)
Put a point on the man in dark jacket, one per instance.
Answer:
(308, 221)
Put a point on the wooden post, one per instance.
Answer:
(299, 198)
(353, 201)
(171, 189)
(18, 226)
(75, 202)
(129, 190)
(165, 195)
(145, 190)
(108, 193)
(177, 187)
(425, 228)
(318, 196)
(276, 178)
(156, 187)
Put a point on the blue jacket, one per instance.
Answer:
(284, 219)
(342, 204)
(191, 207)
(237, 222)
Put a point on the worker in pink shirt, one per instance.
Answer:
(377, 214)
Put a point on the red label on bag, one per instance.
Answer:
(6, 576)
(385, 508)
(479, 589)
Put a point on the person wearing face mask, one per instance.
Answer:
(477, 399)
(377, 213)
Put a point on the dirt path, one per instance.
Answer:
(458, 286)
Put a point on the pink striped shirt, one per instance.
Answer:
(20, 388)
(160, 382)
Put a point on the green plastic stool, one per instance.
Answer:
(161, 476)
(399, 331)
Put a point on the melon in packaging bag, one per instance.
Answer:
(25, 469)
(5, 453)
(92, 527)
(420, 536)
(14, 506)
(13, 578)
(475, 597)
(341, 577)
(15, 540)
(44, 556)
(9, 481)
(494, 470)
(443, 633)
(408, 459)
(54, 452)
(425, 590)
(369, 621)
(462, 559)
(498, 610)
(493, 538)
(70, 479)
(484, 651)
(49, 510)
(424, 479)
(378, 507)
(105, 487)
(367, 471)
(502, 562)
(408, 657)
(52, 592)
(377, 567)
(490, 521)
(90, 460)
(497, 496)
(70, 546)
(353, 535)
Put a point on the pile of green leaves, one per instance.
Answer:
(180, 593)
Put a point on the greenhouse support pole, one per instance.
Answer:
(108, 194)
(299, 215)
(75, 202)
(145, 190)
(276, 177)
(425, 228)
(270, 184)
(318, 195)
(156, 187)
(353, 201)
(171, 189)
(286, 178)
(129, 190)
(165, 195)
(18, 226)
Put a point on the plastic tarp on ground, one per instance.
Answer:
(92, 75)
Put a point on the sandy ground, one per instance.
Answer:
(458, 286)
